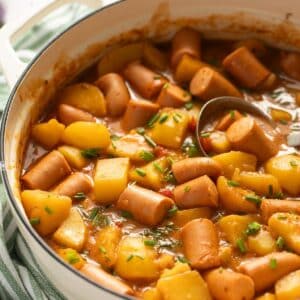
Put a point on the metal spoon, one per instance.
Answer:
(221, 104)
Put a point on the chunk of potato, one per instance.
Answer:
(286, 169)
(185, 286)
(48, 134)
(288, 287)
(287, 225)
(110, 179)
(154, 176)
(236, 159)
(234, 226)
(72, 257)
(266, 296)
(177, 269)
(72, 233)
(187, 68)
(154, 58)
(226, 254)
(165, 260)
(280, 115)
(131, 146)
(73, 157)
(219, 142)
(172, 130)
(260, 183)
(262, 243)
(104, 250)
(233, 198)
(86, 135)
(184, 216)
(152, 294)
(136, 261)
(46, 211)
(117, 58)
(84, 96)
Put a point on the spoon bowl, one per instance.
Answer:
(221, 104)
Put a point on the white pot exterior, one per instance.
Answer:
(31, 92)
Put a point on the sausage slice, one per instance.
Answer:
(201, 244)
(49, 170)
(68, 114)
(146, 206)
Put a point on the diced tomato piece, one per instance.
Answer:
(192, 124)
(206, 144)
(166, 192)
(160, 151)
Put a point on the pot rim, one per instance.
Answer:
(4, 175)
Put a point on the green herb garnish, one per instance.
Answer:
(150, 141)
(232, 183)
(240, 243)
(72, 257)
(141, 130)
(79, 196)
(158, 167)
(102, 250)
(187, 188)
(34, 221)
(126, 214)
(293, 163)
(166, 85)
(189, 105)
(232, 114)
(273, 263)
(253, 228)
(90, 153)
(97, 218)
(131, 256)
(172, 211)
(163, 119)
(182, 259)
(150, 243)
(205, 134)
(280, 242)
(153, 120)
(140, 172)
(48, 210)
(146, 155)
(254, 199)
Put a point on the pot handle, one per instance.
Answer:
(11, 65)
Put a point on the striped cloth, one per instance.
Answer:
(20, 276)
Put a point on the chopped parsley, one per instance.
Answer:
(254, 199)
(131, 256)
(72, 257)
(232, 183)
(189, 105)
(166, 85)
(150, 141)
(150, 243)
(102, 250)
(48, 210)
(253, 228)
(240, 243)
(190, 147)
(163, 119)
(187, 188)
(97, 218)
(271, 190)
(90, 153)
(293, 163)
(79, 196)
(282, 217)
(158, 167)
(153, 120)
(140, 172)
(273, 263)
(182, 259)
(169, 177)
(280, 242)
(34, 221)
(172, 211)
(283, 122)
(232, 114)
(205, 134)
(141, 130)
(146, 155)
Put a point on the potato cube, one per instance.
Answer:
(110, 179)
(288, 287)
(219, 142)
(234, 226)
(72, 233)
(266, 296)
(152, 294)
(72, 257)
(152, 175)
(165, 260)
(185, 286)
(85, 135)
(48, 134)
(117, 58)
(262, 243)
(286, 169)
(170, 129)
(287, 225)
(187, 68)
(131, 146)
(136, 261)
(154, 58)
(104, 250)
(46, 211)
(280, 115)
(84, 96)
(260, 183)
(73, 157)
(236, 159)
(177, 269)
(184, 216)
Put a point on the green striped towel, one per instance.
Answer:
(20, 276)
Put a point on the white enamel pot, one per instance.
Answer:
(79, 46)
